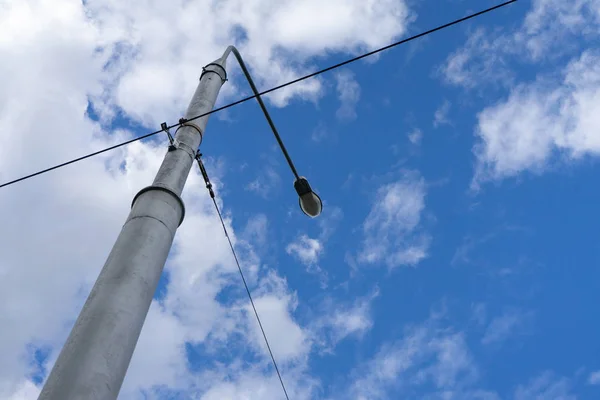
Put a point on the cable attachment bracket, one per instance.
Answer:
(165, 128)
(204, 174)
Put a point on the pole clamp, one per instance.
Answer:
(206, 70)
(184, 122)
(165, 128)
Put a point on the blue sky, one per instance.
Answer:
(516, 257)
(455, 257)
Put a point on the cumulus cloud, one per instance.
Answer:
(161, 47)
(25, 391)
(252, 383)
(391, 231)
(309, 250)
(256, 229)
(424, 356)
(276, 317)
(540, 119)
(69, 68)
(550, 24)
(481, 61)
(339, 321)
(355, 320)
(415, 136)
(433, 361)
(165, 364)
(306, 249)
(551, 29)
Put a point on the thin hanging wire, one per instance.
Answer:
(212, 196)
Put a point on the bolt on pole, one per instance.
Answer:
(93, 362)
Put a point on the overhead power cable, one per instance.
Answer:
(341, 64)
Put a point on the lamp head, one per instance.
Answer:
(310, 202)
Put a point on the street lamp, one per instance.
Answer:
(310, 202)
(93, 362)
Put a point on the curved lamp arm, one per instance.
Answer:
(236, 53)
(310, 202)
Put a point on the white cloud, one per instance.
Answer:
(551, 29)
(391, 230)
(354, 321)
(508, 324)
(59, 236)
(141, 59)
(166, 363)
(415, 136)
(551, 24)
(161, 47)
(440, 117)
(538, 120)
(256, 229)
(309, 250)
(432, 361)
(453, 364)
(339, 321)
(330, 27)
(275, 306)
(348, 93)
(25, 391)
(276, 318)
(306, 249)
(481, 61)
(545, 386)
(237, 382)
(425, 355)
(594, 378)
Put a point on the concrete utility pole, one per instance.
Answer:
(94, 360)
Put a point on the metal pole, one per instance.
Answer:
(93, 362)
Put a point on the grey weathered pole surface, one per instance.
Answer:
(93, 362)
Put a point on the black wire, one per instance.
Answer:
(458, 21)
(235, 103)
(78, 159)
(251, 300)
(212, 196)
